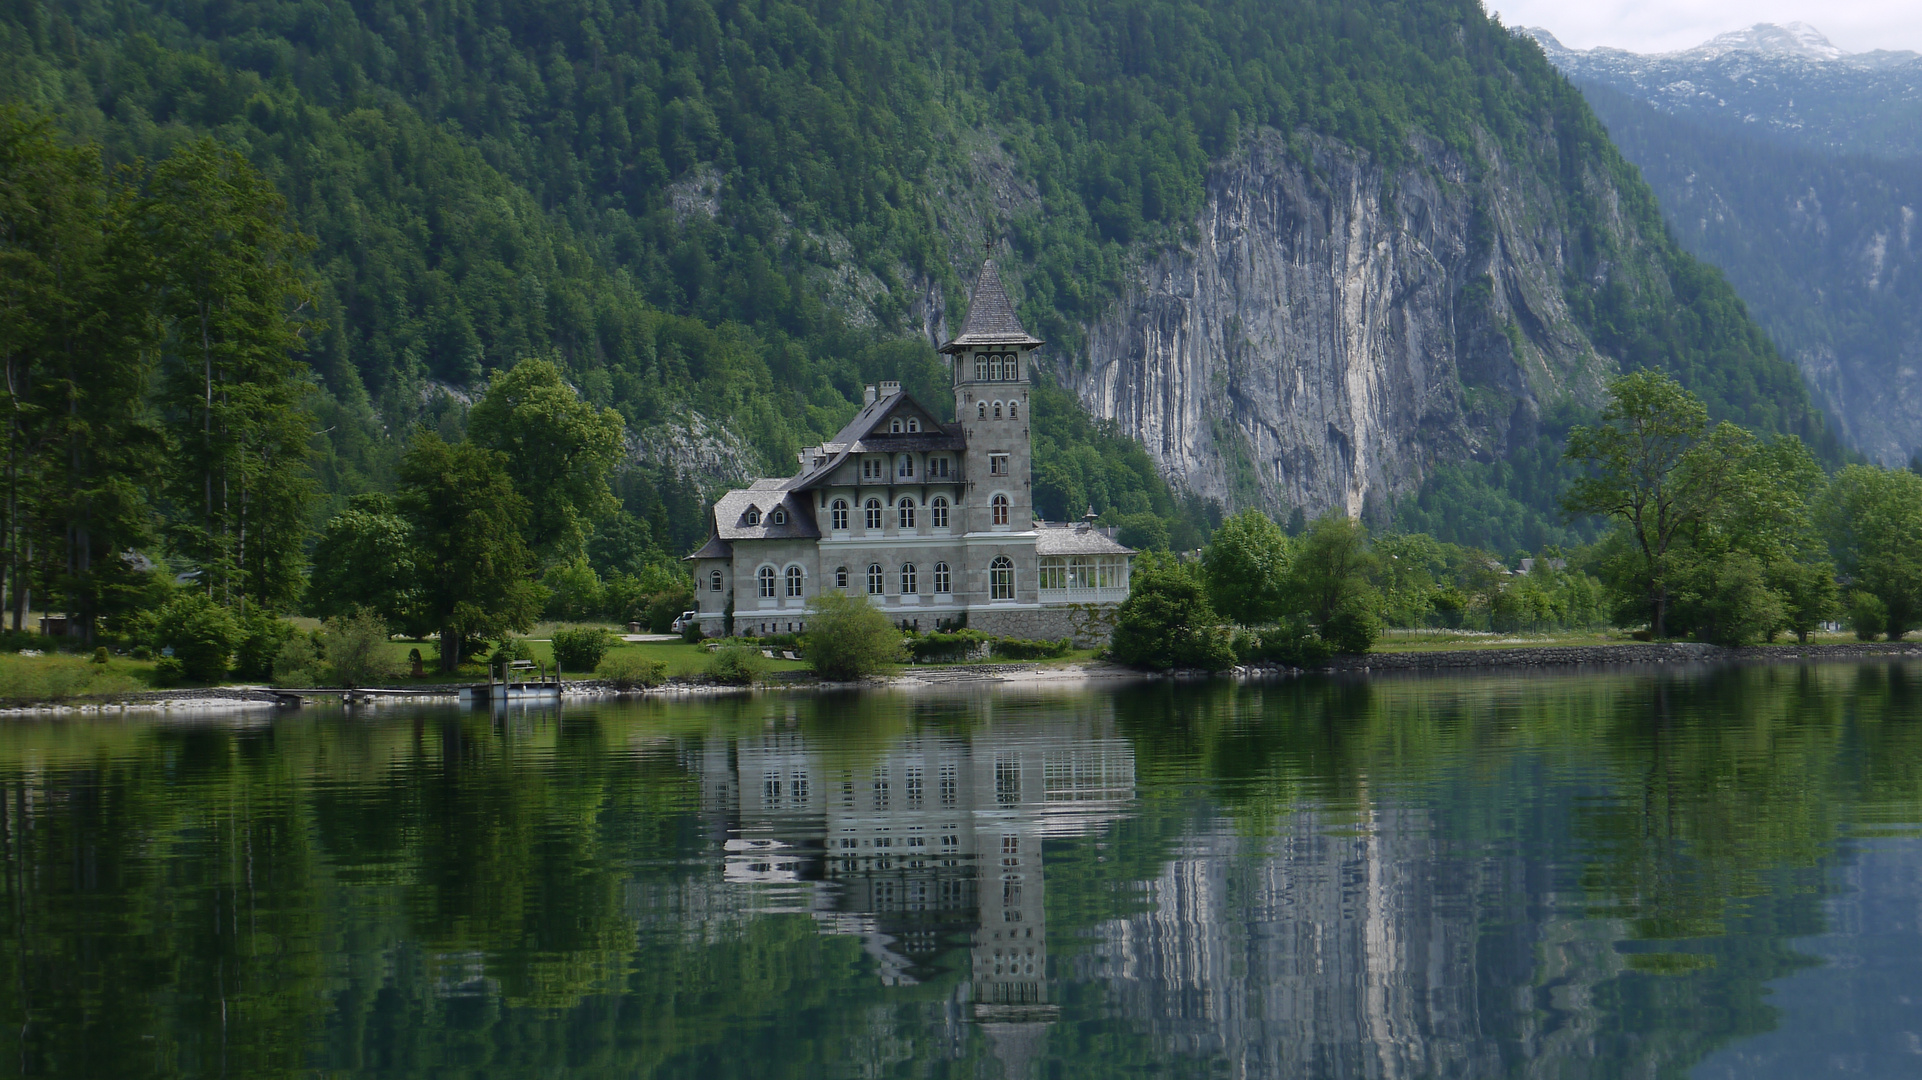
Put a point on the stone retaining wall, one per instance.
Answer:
(1089, 626)
(1572, 655)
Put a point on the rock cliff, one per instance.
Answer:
(1333, 329)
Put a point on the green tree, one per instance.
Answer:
(365, 559)
(1873, 519)
(201, 633)
(467, 521)
(231, 290)
(849, 638)
(559, 450)
(579, 648)
(356, 648)
(1166, 622)
(1332, 571)
(1245, 567)
(1653, 467)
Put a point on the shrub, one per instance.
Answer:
(141, 652)
(169, 671)
(691, 632)
(580, 649)
(201, 633)
(100, 654)
(628, 671)
(514, 649)
(737, 665)
(848, 638)
(1024, 649)
(357, 648)
(664, 607)
(298, 663)
(1351, 631)
(1166, 622)
(1292, 644)
(1867, 615)
(261, 637)
(950, 648)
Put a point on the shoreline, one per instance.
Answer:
(954, 676)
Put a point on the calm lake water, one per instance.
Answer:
(1714, 873)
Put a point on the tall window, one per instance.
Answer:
(714, 581)
(907, 465)
(794, 580)
(997, 464)
(875, 584)
(908, 579)
(939, 508)
(1011, 408)
(765, 575)
(1011, 368)
(994, 367)
(874, 513)
(938, 467)
(980, 367)
(838, 516)
(1000, 506)
(997, 410)
(840, 577)
(983, 407)
(1001, 579)
(907, 513)
(943, 582)
(872, 469)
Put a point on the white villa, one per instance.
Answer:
(933, 522)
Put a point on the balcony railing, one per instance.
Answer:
(1085, 595)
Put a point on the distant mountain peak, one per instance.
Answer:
(1797, 39)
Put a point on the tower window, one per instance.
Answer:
(794, 581)
(980, 367)
(983, 410)
(838, 516)
(714, 581)
(1000, 505)
(1010, 368)
(873, 509)
(840, 577)
(994, 368)
(1001, 578)
(765, 575)
(997, 464)
(1011, 408)
(943, 581)
(908, 579)
(906, 509)
(875, 581)
(938, 510)
(997, 410)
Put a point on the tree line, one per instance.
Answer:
(1710, 533)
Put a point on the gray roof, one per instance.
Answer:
(865, 434)
(1079, 538)
(715, 548)
(767, 495)
(991, 319)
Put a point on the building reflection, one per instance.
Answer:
(934, 841)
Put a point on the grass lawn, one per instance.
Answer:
(1428, 640)
(680, 657)
(65, 676)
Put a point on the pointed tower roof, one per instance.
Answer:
(991, 318)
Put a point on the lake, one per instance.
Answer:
(1707, 872)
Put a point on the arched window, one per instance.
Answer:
(914, 424)
(874, 513)
(939, 509)
(997, 410)
(1000, 505)
(908, 579)
(714, 581)
(794, 581)
(1011, 368)
(943, 581)
(766, 577)
(906, 467)
(779, 517)
(895, 427)
(906, 508)
(1001, 578)
(984, 410)
(994, 368)
(980, 366)
(753, 516)
(874, 579)
(840, 577)
(1011, 408)
(838, 516)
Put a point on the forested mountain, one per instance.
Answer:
(1797, 168)
(721, 219)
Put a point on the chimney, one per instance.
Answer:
(868, 398)
(889, 389)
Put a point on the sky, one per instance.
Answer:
(1647, 26)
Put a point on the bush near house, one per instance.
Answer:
(580, 649)
(848, 638)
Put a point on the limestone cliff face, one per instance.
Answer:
(1334, 330)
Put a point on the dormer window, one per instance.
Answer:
(914, 424)
(779, 517)
(753, 515)
(895, 427)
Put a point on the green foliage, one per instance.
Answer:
(1868, 615)
(1166, 621)
(467, 523)
(299, 662)
(579, 649)
(201, 633)
(737, 665)
(574, 591)
(261, 639)
(630, 672)
(849, 638)
(1873, 519)
(559, 451)
(365, 558)
(1026, 649)
(1246, 568)
(356, 648)
(949, 647)
(1727, 600)
(1331, 576)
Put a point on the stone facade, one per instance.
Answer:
(933, 522)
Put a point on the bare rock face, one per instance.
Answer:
(1334, 330)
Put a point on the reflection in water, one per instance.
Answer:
(1600, 875)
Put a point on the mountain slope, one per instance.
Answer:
(744, 210)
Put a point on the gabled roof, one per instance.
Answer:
(867, 433)
(991, 319)
(767, 496)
